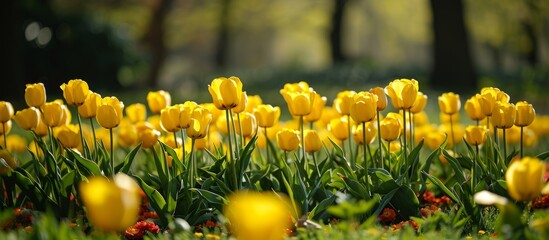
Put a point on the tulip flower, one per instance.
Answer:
(381, 98)
(35, 94)
(254, 215)
(363, 107)
(127, 134)
(68, 135)
(158, 100)
(403, 93)
(42, 129)
(490, 97)
(318, 109)
(473, 108)
(226, 92)
(390, 129)
(53, 114)
(312, 141)
(136, 112)
(75, 92)
(9, 162)
(247, 126)
(18, 144)
(371, 133)
(434, 139)
(169, 118)
(343, 102)
(200, 123)
(475, 135)
(525, 115)
(449, 103)
(110, 112)
(339, 128)
(299, 103)
(266, 115)
(148, 136)
(253, 102)
(6, 111)
(28, 118)
(111, 206)
(419, 103)
(524, 178)
(241, 106)
(88, 110)
(288, 139)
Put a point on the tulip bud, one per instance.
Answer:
(449, 103)
(339, 128)
(475, 135)
(110, 112)
(525, 114)
(28, 118)
(248, 124)
(434, 139)
(266, 115)
(403, 92)
(169, 118)
(127, 134)
(158, 100)
(136, 112)
(288, 139)
(318, 108)
(200, 123)
(371, 133)
(42, 129)
(7, 162)
(525, 178)
(363, 107)
(68, 135)
(53, 114)
(312, 141)
(343, 101)
(491, 96)
(185, 114)
(226, 92)
(299, 103)
(148, 136)
(35, 94)
(75, 92)
(253, 102)
(241, 106)
(381, 98)
(503, 115)
(390, 129)
(6, 111)
(419, 103)
(473, 108)
(113, 205)
(89, 108)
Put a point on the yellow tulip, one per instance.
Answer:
(75, 92)
(371, 132)
(459, 132)
(525, 114)
(421, 119)
(318, 108)
(200, 123)
(185, 114)
(158, 100)
(5, 129)
(17, 144)
(170, 141)
(266, 115)
(253, 102)
(112, 205)
(216, 113)
(381, 97)
(449, 103)
(299, 103)
(343, 101)
(102, 135)
(68, 135)
(339, 128)
(148, 136)
(473, 108)
(312, 141)
(475, 135)
(503, 115)
(419, 103)
(110, 112)
(288, 139)
(241, 106)
(491, 96)
(35, 94)
(154, 120)
(390, 129)
(434, 139)
(248, 124)
(53, 114)
(35, 149)
(28, 118)
(9, 162)
(169, 118)
(524, 178)
(254, 215)
(127, 134)
(363, 107)
(136, 112)
(403, 92)
(6, 111)
(226, 92)
(89, 108)
(445, 118)
(221, 125)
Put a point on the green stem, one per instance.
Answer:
(350, 139)
(412, 140)
(5, 134)
(303, 157)
(452, 132)
(316, 165)
(379, 140)
(504, 143)
(242, 141)
(405, 136)
(112, 151)
(175, 139)
(86, 151)
(389, 157)
(365, 158)
(94, 137)
(521, 141)
(237, 146)
(231, 150)
(266, 144)
(474, 170)
(192, 165)
(183, 138)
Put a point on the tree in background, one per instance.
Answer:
(336, 32)
(223, 39)
(452, 62)
(154, 39)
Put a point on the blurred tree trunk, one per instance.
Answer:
(11, 51)
(154, 39)
(528, 25)
(336, 43)
(222, 47)
(452, 64)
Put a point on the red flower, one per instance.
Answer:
(138, 230)
(429, 210)
(388, 215)
(403, 224)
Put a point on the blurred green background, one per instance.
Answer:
(128, 47)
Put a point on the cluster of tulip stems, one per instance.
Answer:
(234, 121)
